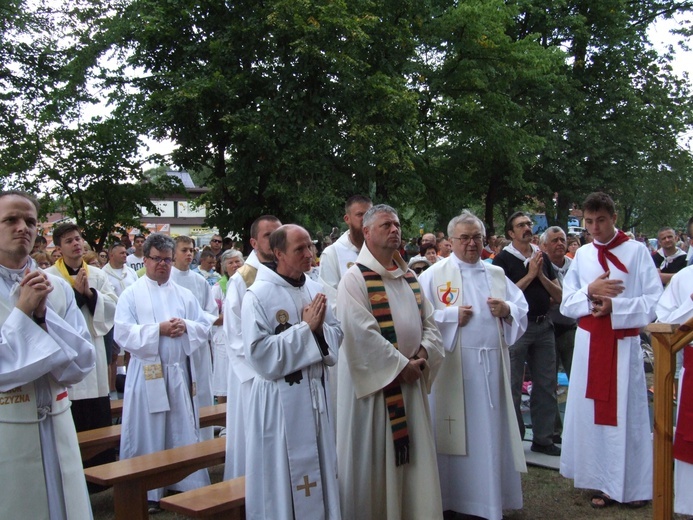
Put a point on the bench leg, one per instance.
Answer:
(130, 501)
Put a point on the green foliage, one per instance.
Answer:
(290, 106)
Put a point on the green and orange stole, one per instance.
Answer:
(394, 400)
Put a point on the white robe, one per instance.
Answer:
(486, 479)
(675, 306)
(372, 486)
(99, 323)
(614, 459)
(202, 357)
(145, 430)
(220, 362)
(120, 278)
(40, 462)
(289, 440)
(335, 260)
(240, 373)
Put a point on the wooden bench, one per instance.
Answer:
(221, 501)
(116, 408)
(132, 478)
(93, 442)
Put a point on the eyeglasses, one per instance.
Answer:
(216, 240)
(527, 223)
(419, 270)
(465, 239)
(157, 260)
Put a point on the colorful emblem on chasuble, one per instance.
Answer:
(447, 294)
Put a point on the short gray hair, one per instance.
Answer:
(466, 217)
(159, 242)
(553, 229)
(369, 216)
(228, 255)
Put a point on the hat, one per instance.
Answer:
(418, 259)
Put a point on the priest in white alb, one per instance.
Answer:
(44, 347)
(290, 338)
(241, 373)
(611, 288)
(676, 306)
(161, 324)
(391, 350)
(479, 311)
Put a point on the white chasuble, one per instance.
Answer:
(478, 442)
(40, 461)
(291, 469)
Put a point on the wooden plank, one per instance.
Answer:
(222, 500)
(132, 478)
(93, 442)
(162, 467)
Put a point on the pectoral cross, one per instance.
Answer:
(449, 420)
(306, 485)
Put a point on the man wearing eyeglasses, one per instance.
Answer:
(531, 271)
(478, 311)
(161, 324)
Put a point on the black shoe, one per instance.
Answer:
(153, 507)
(557, 439)
(551, 449)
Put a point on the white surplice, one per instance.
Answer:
(99, 323)
(40, 461)
(486, 479)
(290, 442)
(676, 306)
(202, 357)
(240, 372)
(159, 408)
(616, 460)
(372, 486)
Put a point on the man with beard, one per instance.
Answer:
(531, 271)
(241, 373)
(340, 256)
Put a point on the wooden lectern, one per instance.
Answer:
(667, 340)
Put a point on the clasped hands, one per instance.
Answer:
(600, 293)
(173, 328)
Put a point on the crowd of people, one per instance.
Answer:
(382, 380)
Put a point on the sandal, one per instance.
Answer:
(636, 504)
(601, 500)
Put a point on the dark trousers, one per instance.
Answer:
(538, 349)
